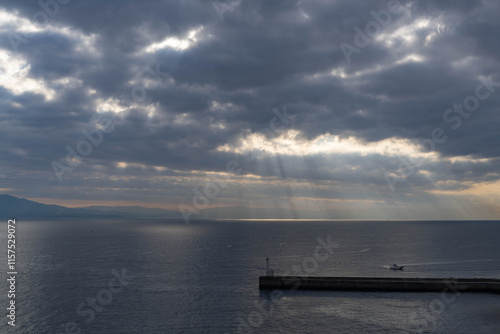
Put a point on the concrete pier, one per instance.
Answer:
(381, 284)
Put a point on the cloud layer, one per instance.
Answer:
(354, 110)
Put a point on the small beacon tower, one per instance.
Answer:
(269, 271)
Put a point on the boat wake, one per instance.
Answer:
(449, 262)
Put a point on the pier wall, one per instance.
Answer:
(380, 284)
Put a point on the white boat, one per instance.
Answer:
(396, 267)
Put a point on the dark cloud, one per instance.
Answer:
(180, 106)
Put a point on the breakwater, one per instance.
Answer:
(380, 284)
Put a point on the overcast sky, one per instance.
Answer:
(320, 108)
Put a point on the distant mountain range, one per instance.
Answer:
(14, 207)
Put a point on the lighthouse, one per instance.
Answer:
(269, 271)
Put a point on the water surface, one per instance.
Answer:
(203, 277)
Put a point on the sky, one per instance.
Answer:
(304, 109)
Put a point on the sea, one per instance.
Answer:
(166, 276)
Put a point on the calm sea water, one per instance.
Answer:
(152, 276)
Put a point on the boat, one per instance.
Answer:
(396, 267)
